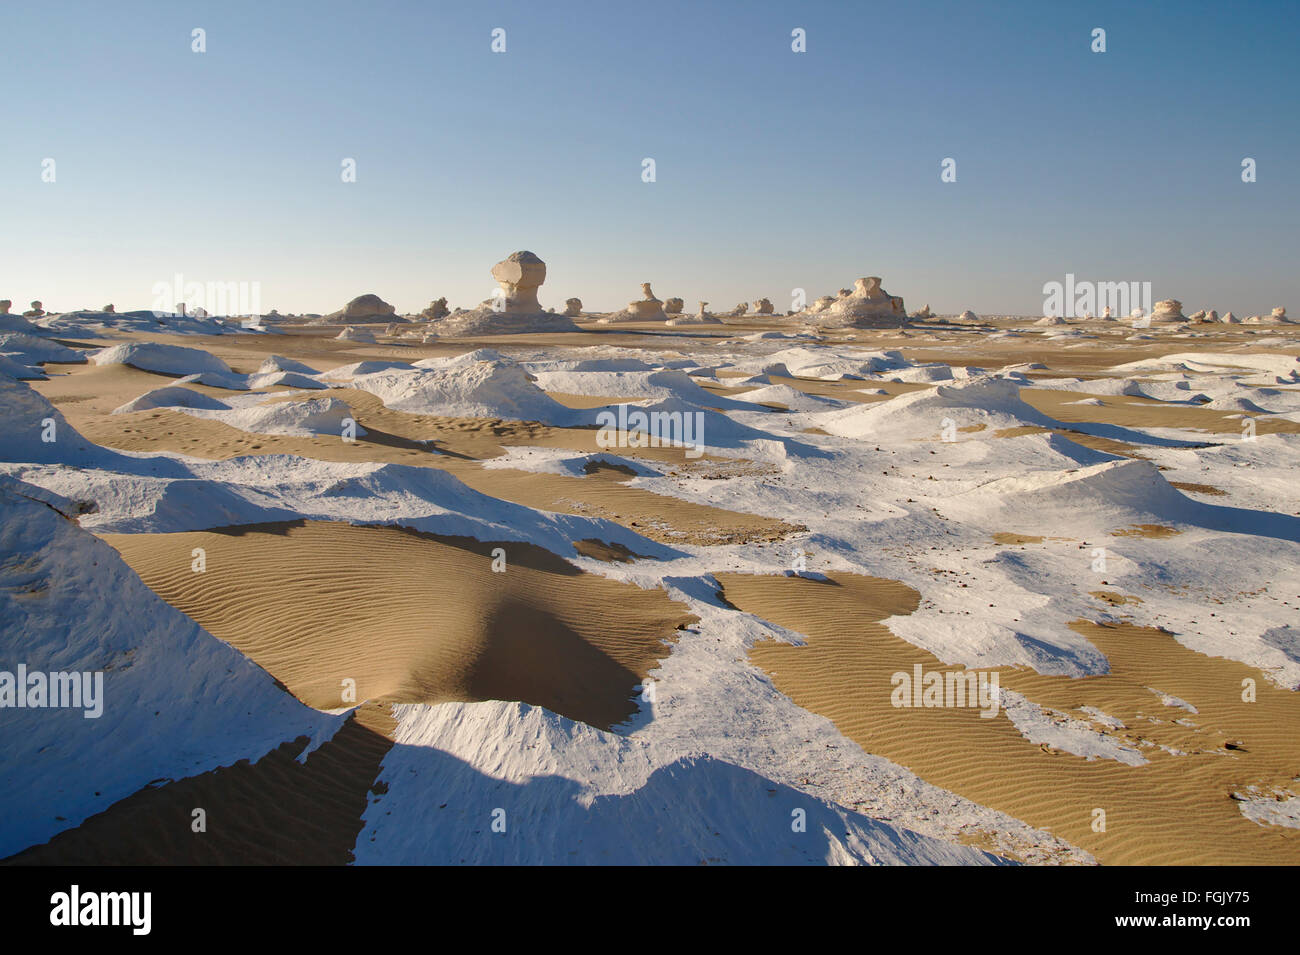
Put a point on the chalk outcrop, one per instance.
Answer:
(5, 305)
(514, 309)
(360, 335)
(923, 314)
(362, 310)
(36, 311)
(573, 307)
(674, 306)
(968, 316)
(1167, 312)
(645, 309)
(436, 309)
(702, 317)
(763, 307)
(866, 305)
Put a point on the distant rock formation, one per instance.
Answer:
(1106, 315)
(1167, 312)
(514, 309)
(573, 307)
(866, 305)
(1230, 319)
(5, 305)
(739, 310)
(364, 309)
(701, 317)
(360, 335)
(1051, 320)
(436, 309)
(1211, 316)
(1197, 316)
(646, 309)
(763, 307)
(674, 306)
(36, 311)
(109, 308)
(968, 316)
(923, 314)
(1279, 315)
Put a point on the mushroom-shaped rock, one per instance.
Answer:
(573, 307)
(520, 275)
(514, 309)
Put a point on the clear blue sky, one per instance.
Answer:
(775, 170)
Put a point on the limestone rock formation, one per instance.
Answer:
(437, 309)
(520, 275)
(968, 316)
(1197, 316)
(1167, 312)
(573, 307)
(36, 311)
(363, 309)
(360, 335)
(1279, 315)
(923, 314)
(1106, 315)
(109, 308)
(701, 317)
(1211, 316)
(645, 309)
(739, 310)
(763, 307)
(866, 305)
(1230, 319)
(674, 306)
(5, 305)
(514, 310)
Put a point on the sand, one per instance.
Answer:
(419, 618)
(1175, 810)
(414, 618)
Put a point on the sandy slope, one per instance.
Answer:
(1177, 809)
(414, 618)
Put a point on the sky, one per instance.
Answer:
(774, 170)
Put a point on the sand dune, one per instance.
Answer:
(414, 618)
(1176, 809)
